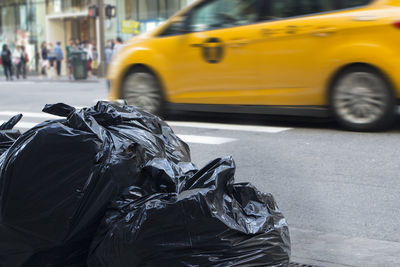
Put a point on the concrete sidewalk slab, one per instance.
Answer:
(334, 250)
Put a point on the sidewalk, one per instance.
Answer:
(63, 79)
(333, 250)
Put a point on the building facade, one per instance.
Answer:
(31, 22)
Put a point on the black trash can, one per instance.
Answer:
(79, 65)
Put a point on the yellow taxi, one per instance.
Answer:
(336, 58)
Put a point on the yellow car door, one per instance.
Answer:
(214, 62)
(291, 43)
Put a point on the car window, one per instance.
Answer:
(292, 8)
(354, 3)
(224, 13)
(276, 9)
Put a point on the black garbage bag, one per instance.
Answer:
(7, 134)
(211, 222)
(58, 178)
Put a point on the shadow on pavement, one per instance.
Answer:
(251, 119)
(265, 120)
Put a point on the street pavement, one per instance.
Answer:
(338, 190)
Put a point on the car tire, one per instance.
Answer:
(361, 99)
(141, 88)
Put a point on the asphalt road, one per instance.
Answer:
(338, 190)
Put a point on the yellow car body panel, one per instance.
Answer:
(285, 62)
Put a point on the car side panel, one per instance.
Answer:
(365, 35)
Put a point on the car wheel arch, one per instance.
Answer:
(343, 69)
(138, 66)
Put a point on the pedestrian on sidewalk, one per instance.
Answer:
(6, 60)
(44, 60)
(113, 44)
(16, 60)
(52, 59)
(59, 58)
(79, 45)
(95, 60)
(119, 44)
(71, 47)
(89, 57)
(108, 52)
(24, 61)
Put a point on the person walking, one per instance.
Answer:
(108, 53)
(6, 60)
(16, 60)
(71, 47)
(112, 44)
(89, 57)
(78, 44)
(95, 60)
(59, 58)
(52, 58)
(44, 60)
(24, 61)
(118, 45)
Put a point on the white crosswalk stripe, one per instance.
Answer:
(231, 127)
(207, 140)
(29, 114)
(195, 139)
(31, 119)
(23, 124)
(202, 125)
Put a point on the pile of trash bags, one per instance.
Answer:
(112, 185)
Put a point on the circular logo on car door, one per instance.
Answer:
(213, 50)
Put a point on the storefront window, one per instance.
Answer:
(148, 9)
(30, 22)
(66, 6)
(153, 9)
(19, 25)
(23, 14)
(172, 7)
(131, 11)
(149, 13)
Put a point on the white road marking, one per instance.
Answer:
(232, 127)
(196, 139)
(207, 140)
(204, 125)
(29, 114)
(23, 124)
(104, 99)
(38, 115)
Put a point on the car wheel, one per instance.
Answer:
(362, 100)
(142, 89)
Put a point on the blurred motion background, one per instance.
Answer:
(29, 23)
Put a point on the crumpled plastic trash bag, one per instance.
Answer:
(210, 222)
(58, 178)
(7, 134)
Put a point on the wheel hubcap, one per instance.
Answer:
(359, 98)
(141, 90)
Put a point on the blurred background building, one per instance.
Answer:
(30, 22)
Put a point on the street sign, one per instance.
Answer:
(131, 26)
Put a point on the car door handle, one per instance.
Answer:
(197, 45)
(236, 43)
(323, 32)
